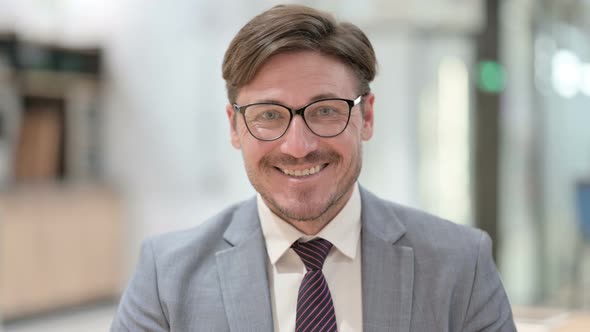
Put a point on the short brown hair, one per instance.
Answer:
(289, 28)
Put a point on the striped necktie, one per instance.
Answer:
(315, 309)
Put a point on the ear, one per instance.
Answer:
(367, 129)
(233, 123)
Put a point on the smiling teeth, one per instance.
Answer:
(302, 172)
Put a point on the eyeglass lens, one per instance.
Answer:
(324, 118)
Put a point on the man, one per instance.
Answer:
(313, 251)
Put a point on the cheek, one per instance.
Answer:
(243, 138)
(347, 147)
(352, 136)
(254, 150)
(242, 131)
(355, 126)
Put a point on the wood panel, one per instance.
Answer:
(58, 248)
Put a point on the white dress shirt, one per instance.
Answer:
(342, 267)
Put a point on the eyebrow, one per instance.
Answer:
(311, 100)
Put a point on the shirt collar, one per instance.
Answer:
(343, 231)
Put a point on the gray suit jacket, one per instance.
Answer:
(419, 273)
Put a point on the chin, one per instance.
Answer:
(301, 215)
(301, 209)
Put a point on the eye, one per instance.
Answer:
(269, 115)
(325, 111)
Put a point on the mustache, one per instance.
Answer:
(311, 158)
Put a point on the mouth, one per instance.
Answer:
(300, 173)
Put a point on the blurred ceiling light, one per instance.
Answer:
(545, 48)
(453, 139)
(565, 73)
(585, 79)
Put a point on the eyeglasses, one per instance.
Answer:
(325, 117)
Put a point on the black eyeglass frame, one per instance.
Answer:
(299, 111)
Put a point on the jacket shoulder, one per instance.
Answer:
(420, 230)
(427, 229)
(193, 244)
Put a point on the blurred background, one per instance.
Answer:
(112, 128)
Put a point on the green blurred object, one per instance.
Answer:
(490, 76)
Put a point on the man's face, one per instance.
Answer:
(294, 80)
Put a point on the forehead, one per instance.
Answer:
(296, 78)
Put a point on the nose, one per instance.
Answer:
(298, 141)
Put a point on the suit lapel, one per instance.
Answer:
(387, 268)
(242, 273)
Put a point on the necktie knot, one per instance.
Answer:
(313, 253)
